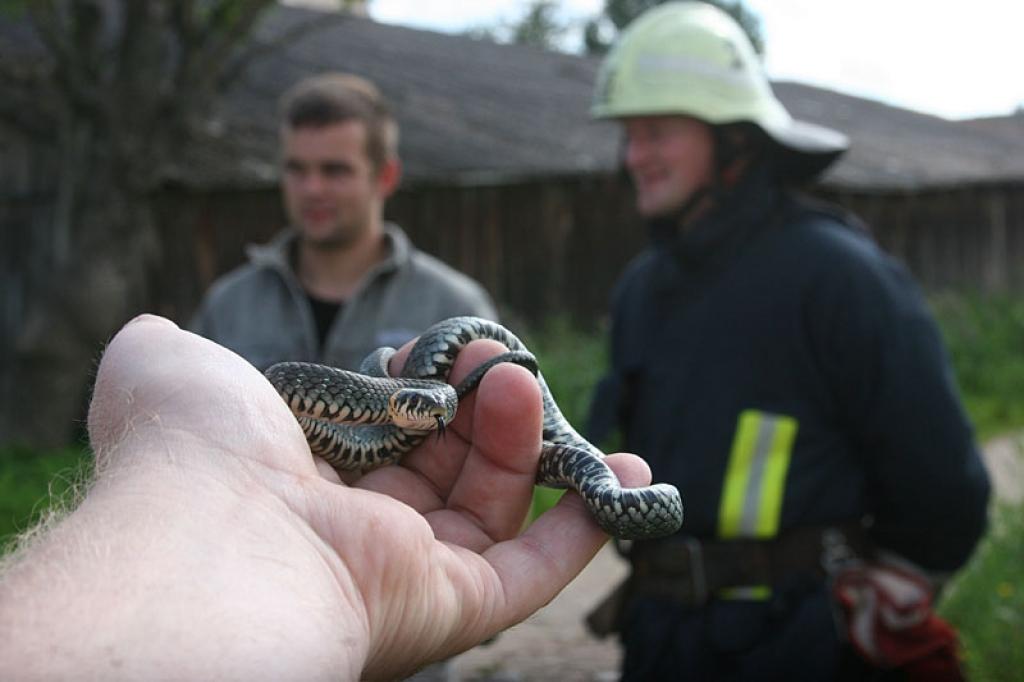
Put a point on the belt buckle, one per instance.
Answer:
(836, 553)
(698, 578)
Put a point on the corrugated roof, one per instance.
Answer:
(893, 148)
(474, 111)
(466, 108)
(1001, 125)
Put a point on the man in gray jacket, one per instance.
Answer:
(339, 282)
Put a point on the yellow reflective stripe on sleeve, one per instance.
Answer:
(748, 593)
(737, 475)
(755, 478)
(755, 481)
(773, 482)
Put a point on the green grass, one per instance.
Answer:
(986, 601)
(985, 338)
(34, 482)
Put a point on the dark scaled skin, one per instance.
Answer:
(567, 459)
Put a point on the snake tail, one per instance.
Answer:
(627, 513)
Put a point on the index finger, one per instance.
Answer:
(510, 437)
(492, 493)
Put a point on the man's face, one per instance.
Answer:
(333, 194)
(669, 158)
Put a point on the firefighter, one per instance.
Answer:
(769, 360)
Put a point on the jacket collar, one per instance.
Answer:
(278, 253)
(717, 236)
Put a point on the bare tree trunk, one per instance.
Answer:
(106, 282)
(128, 85)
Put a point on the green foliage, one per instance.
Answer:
(600, 32)
(32, 482)
(986, 602)
(985, 338)
(12, 9)
(538, 26)
(572, 361)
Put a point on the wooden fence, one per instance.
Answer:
(963, 239)
(557, 246)
(540, 248)
(544, 247)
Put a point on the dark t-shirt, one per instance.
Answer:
(324, 313)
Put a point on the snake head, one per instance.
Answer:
(423, 409)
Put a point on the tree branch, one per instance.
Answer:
(205, 33)
(258, 50)
(230, 29)
(73, 41)
(29, 101)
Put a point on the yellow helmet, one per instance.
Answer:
(693, 59)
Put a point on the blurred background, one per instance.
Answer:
(138, 147)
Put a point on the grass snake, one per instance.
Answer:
(362, 420)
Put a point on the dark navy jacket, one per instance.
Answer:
(772, 306)
(776, 305)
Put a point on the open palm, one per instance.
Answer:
(406, 564)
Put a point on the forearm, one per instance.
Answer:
(167, 572)
(211, 548)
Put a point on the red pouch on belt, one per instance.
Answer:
(887, 610)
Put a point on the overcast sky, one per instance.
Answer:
(951, 59)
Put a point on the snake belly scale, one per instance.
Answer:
(348, 419)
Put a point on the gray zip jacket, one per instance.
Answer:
(260, 311)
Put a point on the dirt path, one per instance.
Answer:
(1004, 457)
(553, 644)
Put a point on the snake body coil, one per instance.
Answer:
(322, 396)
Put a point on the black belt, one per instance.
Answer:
(689, 571)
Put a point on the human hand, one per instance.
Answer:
(212, 544)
